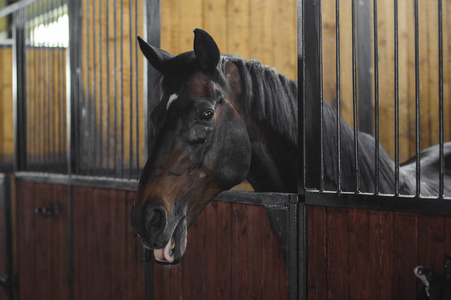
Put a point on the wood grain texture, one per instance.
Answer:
(231, 254)
(106, 251)
(42, 246)
(371, 254)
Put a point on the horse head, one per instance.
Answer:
(201, 145)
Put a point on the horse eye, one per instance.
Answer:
(207, 115)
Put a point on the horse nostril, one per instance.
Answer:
(155, 219)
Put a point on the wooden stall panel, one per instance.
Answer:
(107, 255)
(231, 254)
(370, 254)
(42, 242)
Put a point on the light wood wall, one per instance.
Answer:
(264, 30)
(6, 106)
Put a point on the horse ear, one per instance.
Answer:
(156, 56)
(206, 50)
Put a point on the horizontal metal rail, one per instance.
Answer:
(15, 7)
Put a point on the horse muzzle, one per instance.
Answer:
(160, 231)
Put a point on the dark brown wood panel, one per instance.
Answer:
(42, 242)
(316, 251)
(371, 254)
(107, 262)
(231, 254)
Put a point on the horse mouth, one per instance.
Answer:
(175, 247)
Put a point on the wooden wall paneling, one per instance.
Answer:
(42, 243)
(135, 267)
(338, 256)
(448, 236)
(358, 249)
(42, 240)
(431, 241)
(404, 256)
(59, 246)
(195, 259)
(218, 250)
(238, 31)
(101, 249)
(267, 276)
(316, 252)
(240, 255)
(231, 253)
(386, 255)
(26, 234)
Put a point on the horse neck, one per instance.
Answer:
(274, 160)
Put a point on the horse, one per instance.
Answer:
(221, 120)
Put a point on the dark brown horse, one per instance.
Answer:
(221, 120)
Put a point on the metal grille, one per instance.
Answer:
(109, 112)
(403, 70)
(79, 112)
(45, 86)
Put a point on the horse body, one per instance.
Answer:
(222, 119)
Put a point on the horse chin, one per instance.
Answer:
(172, 253)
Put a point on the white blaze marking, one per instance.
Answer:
(171, 99)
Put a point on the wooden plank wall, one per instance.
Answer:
(363, 254)
(231, 254)
(264, 30)
(42, 242)
(428, 34)
(106, 252)
(6, 107)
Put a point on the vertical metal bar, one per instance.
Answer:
(320, 47)
(363, 31)
(32, 88)
(338, 90)
(130, 39)
(122, 89)
(93, 105)
(396, 54)
(74, 93)
(86, 116)
(115, 89)
(101, 98)
(137, 88)
(28, 87)
(311, 89)
(59, 98)
(47, 115)
(152, 32)
(376, 95)
(441, 119)
(19, 88)
(417, 100)
(41, 93)
(354, 100)
(107, 15)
